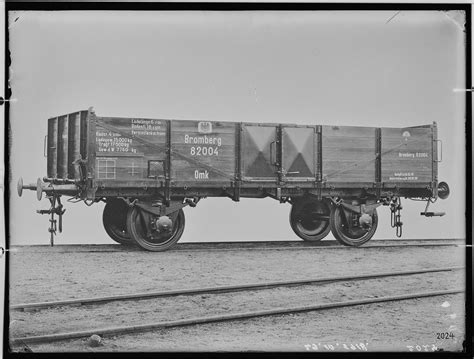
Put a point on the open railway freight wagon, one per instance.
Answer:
(147, 170)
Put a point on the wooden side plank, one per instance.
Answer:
(348, 154)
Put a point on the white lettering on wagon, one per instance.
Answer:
(203, 140)
(201, 175)
(413, 154)
(142, 127)
(113, 144)
(212, 148)
(403, 176)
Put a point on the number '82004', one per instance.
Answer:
(204, 151)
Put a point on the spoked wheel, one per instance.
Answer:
(309, 219)
(350, 236)
(114, 219)
(143, 229)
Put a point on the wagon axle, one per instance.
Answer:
(164, 224)
(365, 221)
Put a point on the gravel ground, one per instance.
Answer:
(392, 326)
(396, 326)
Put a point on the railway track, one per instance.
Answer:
(245, 245)
(224, 317)
(219, 289)
(221, 318)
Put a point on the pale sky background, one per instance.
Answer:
(344, 68)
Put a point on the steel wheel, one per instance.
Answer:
(141, 228)
(347, 236)
(114, 219)
(309, 219)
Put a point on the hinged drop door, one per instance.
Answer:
(298, 153)
(259, 155)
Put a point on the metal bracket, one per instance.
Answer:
(44, 146)
(54, 210)
(192, 202)
(158, 208)
(441, 150)
(362, 208)
(431, 214)
(395, 215)
(236, 196)
(273, 153)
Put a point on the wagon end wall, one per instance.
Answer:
(408, 155)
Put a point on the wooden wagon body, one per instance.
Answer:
(161, 165)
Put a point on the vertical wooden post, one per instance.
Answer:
(434, 159)
(74, 136)
(378, 161)
(62, 145)
(52, 150)
(238, 167)
(91, 186)
(167, 190)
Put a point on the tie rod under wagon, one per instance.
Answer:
(148, 170)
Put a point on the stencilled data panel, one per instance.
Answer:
(130, 148)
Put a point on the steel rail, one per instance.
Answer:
(226, 317)
(322, 242)
(337, 246)
(221, 289)
(232, 246)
